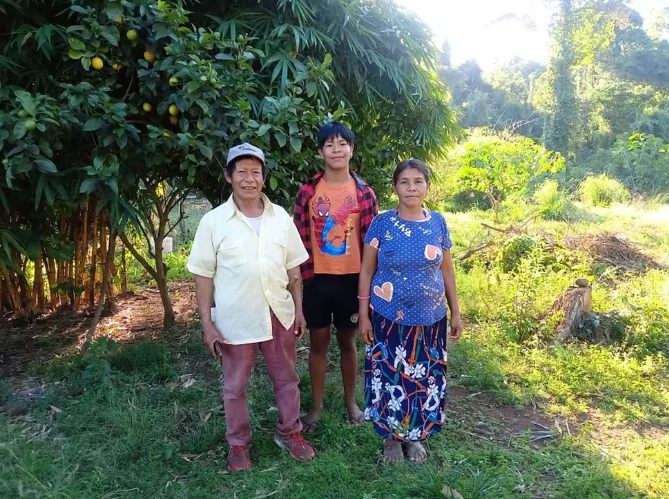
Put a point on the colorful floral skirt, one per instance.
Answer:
(405, 379)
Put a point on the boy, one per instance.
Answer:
(333, 213)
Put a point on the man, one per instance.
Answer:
(246, 256)
(333, 212)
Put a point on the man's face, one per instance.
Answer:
(336, 153)
(247, 179)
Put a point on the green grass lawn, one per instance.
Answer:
(145, 420)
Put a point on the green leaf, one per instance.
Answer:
(206, 151)
(19, 131)
(26, 101)
(264, 129)
(9, 175)
(280, 138)
(38, 190)
(164, 31)
(296, 143)
(76, 44)
(93, 124)
(113, 185)
(203, 105)
(46, 166)
(86, 63)
(273, 183)
(113, 10)
(110, 38)
(89, 185)
(3, 200)
(192, 86)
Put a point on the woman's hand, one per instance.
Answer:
(365, 328)
(456, 327)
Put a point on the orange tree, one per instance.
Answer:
(117, 109)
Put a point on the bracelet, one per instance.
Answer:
(363, 297)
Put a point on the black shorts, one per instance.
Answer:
(331, 299)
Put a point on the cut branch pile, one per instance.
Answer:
(613, 250)
(505, 233)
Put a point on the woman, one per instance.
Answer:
(407, 277)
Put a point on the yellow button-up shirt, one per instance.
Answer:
(249, 269)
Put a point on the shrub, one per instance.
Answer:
(602, 190)
(467, 200)
(554, 203)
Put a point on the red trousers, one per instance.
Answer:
(280, 358)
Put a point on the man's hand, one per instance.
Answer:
(211, 338)
(300, 325)
(365, 328)
(456, 327)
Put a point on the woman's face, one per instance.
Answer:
(411, 188)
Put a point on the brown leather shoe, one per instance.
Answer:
(239, 458)
(298, 447)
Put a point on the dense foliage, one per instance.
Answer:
(111, 112)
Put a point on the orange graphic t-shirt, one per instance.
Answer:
(335, 229)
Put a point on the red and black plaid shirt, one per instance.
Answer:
(369, 208)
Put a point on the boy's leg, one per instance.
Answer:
(281, 359)
(349, 372)
(238, 361)
(318, 313)
(346, 322)
(319, 339)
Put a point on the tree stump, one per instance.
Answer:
(574, 302)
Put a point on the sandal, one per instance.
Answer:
(309, 427)
(392, 451)
(415, 452)
(356, 420)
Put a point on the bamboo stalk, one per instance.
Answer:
(12, 293)
(83, 254)
(103, 256)
(124, 272)
(51, 278)
(94, 260)
(38, 283)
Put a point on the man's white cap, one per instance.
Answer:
(245, 149)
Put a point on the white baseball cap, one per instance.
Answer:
(245, 149)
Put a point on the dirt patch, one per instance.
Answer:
(134, 316)
(480, 416)
(614, 250)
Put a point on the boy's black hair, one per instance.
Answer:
(332, 130)
(230, 168)
(414, 164)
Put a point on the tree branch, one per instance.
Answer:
(103, 292)
(142, 261)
